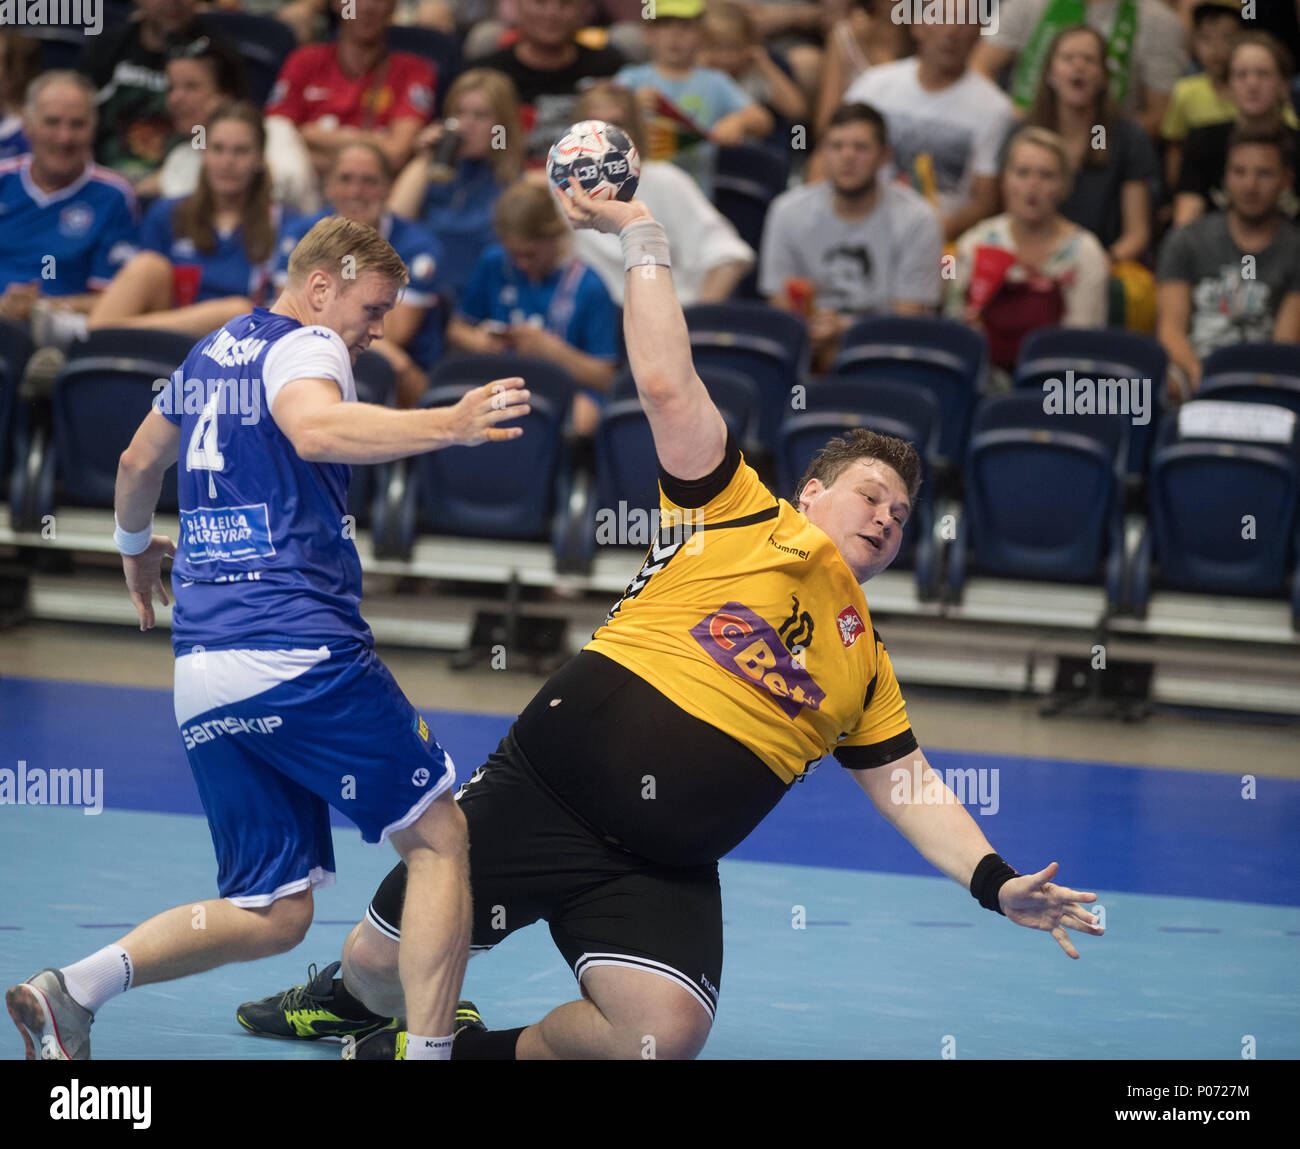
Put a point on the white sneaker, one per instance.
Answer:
(55, 1027)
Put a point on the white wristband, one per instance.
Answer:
(132, 542)
(645, 244)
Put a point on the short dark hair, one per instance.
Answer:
(227, 66)
(861, 114)
(860, 443)
(1215, 10)
(1276, 137)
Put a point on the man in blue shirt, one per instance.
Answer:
(529, 296)
(68, 224)
(282, 705)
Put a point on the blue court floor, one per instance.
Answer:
(1199, 886)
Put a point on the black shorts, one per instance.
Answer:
(532, 858)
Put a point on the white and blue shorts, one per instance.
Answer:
(276, 737)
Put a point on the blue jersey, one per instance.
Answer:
(12, 140)
(459, 213)
(68, 241)
(226, 271)
(264, 559)
(422, 255)
(570, 302)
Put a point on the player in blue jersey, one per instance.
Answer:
(282, 705)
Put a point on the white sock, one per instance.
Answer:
(427, 1048)
(95, 979)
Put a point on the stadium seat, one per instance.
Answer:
(440, 49)
(746, 180)
(1110, 354)
(376, 383)
(15, 350)
(510, 490)
(1253, 373)
(734, 394)
(627, 473)
(947, 358)
(97, 405)
(263, 42)
(909, 413)
(1224, 506)
(134, 343)
(1042, 497)
(760, 342)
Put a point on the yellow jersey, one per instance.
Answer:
(750, 619)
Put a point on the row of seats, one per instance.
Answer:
(1026, 491)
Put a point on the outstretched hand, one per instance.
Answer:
(144, 577)
(476, 415)
(607, 215)
(1032, 901)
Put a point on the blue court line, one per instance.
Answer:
(1140, 830)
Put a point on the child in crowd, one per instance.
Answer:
(731, 45)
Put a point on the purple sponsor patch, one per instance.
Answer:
(745, 645)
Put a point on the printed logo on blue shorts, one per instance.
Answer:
(420, 777)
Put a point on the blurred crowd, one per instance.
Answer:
(1091, 163)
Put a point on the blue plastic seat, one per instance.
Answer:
(1042, 497)
(440, 49)
(1253, 373)
(15, 350)
(746, 181)
(943, 356)
(763, 343)
(735, 395)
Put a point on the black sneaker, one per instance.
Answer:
(389, 1042)
(305, 1013)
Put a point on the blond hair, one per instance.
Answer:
(527, 211)
(336, 239)
(629, 114)
(507, 162)
(1048, 141)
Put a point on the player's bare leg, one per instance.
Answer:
(369, 970)
(628, 1015)
(435, 917)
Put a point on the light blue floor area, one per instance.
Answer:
(887, 966)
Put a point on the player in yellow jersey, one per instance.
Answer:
(742, 652)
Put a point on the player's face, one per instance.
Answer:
(60, 129)
(356, 309)
(1077, 72)
(1254, 179)
(1254, 83)
(853, 157)
(674, 43)
(862, 512)
(192, 92)
(475, 119)
(357, 187)
(536, 258)
(231, 158)
(1033, 184)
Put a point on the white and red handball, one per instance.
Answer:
(602, 158)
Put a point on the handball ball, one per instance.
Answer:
(601, 156)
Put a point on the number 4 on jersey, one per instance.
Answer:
(203, 453)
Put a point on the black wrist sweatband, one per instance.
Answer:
(990, 876)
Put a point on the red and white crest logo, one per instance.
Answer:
(851, 625)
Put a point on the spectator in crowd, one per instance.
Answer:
(797, 28)
(68, 224)
(357, 187)
(453, 198)
(355, 89)
(946, 122)
(1114, 161)
(618, 24)
(208, 257)
(20, 63)
(1029, 267)
(128, 64)
(854, 243)
(690, 111)
(1144, 56)
(305, 17)
(1259, 81)
(863, 38)
(200, 77)
(1233, 276)
(732, 46)
(1202, 98)
(529, 296)
(548, 66)
(709, 259)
